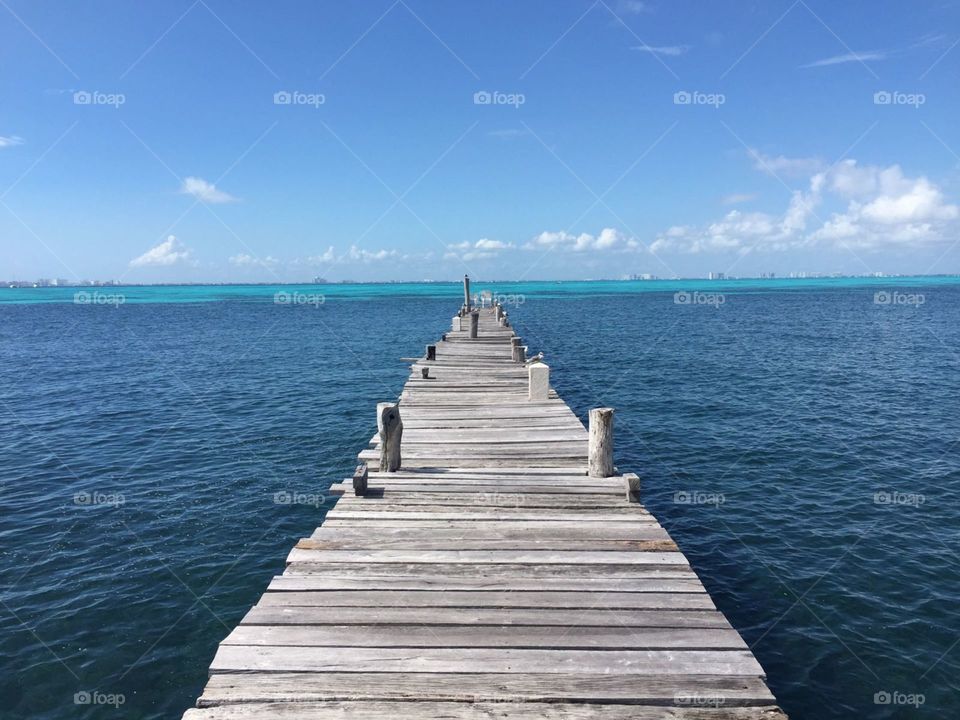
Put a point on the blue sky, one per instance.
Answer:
(146, 141)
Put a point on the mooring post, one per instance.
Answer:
(425, 373)
(631, 487)
(474, 324)
(601, 442)
(466, 292)
(390, 428)
(431, 352)
(538, 377)
(502, 320)
(360, 476)
(518, 353)
(455, 324)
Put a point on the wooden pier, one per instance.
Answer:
(489, 576)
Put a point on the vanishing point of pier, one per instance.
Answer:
(487, 560)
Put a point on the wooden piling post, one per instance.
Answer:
(425, 373)
(474, 324)
(600, 453)
(631, 487)
(360, 476)
(466, 292)
(456, 324)
(390, 428)
(431, 352)
(519, 355)
(538, 377)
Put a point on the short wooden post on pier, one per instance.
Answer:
(431, 352)
(600, 447)
(360, 476)
(456, 323)
(425, 373)
(538, 377)
(519, 354)
(474, 324)
(466, 292)
(390, 428)
(631, 487)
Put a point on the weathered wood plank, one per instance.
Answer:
(234, 658)
(727, 691)
(375, 710)
(472, 636)
(437, 616)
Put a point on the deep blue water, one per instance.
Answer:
(814, 429)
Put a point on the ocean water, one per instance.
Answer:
(798, 439)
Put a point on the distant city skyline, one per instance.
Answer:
(412, 139)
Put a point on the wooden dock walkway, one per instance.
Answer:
(489, 577)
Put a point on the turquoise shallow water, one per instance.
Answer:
(797, 438)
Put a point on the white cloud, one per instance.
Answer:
(169, 252)
(327, 257)
(633, 7)
(738, 198)
(785, 166)
(608, 239)
(878, 207)
(205, 191)
(482, 249)
(244, 260)
(857, 57)
(10, 140)
(360, 254)
(668, 50)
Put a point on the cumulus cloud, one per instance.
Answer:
(244, 260)
(482, 249)
(607, 239)
(10, 140)
(205, 191)
(871, 207)
(327, 257)
(362, 255)
(169, 252)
